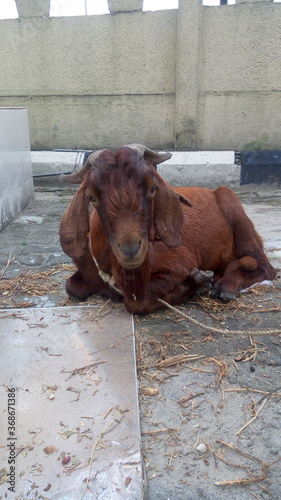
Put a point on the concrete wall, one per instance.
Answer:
(240, 79)
(193, 78)
(16, 183)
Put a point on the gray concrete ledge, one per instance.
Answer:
(51, 162)
(186, 168)
(201, 168)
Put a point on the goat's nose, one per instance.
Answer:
(130, 249)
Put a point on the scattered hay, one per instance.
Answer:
(37, 284)
(251, 352)
(243, 306)
(162, 352)
(33, 282)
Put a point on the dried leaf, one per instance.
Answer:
(50, 449)
(127, 481)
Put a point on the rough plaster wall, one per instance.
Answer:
(96, 81)
(90, 55)
(92, 81)
(240, 98)
(93, 122)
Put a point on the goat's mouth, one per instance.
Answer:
(131, 265)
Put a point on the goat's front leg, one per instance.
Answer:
(200, 277)
(196, 279)
(86, 282)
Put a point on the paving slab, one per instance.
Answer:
(69, 409)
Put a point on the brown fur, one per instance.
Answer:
(143, 233)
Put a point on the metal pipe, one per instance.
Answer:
(50, 175)
(63, 173)
(72, 150)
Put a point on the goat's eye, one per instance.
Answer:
(153, 189)
(91, 198)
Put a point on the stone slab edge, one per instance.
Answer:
(186, 168)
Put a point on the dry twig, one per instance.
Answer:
(251, 478)
(9, 261)
(252, 419)
(176, 360)
(157, 431)
(106, 428)
(221, 365)
(266, 393)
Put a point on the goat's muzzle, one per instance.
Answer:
(130, 252)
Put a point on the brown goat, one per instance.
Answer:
(130, 233)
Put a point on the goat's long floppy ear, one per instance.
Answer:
(74, 226)
(78, 177)
(168, 214)
(150, 157)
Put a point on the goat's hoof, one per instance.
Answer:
(201, 277)
(225, 296)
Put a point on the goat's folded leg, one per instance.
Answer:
(76, 287)
(179, 294)
(86, 282)
(238, 274)
(196, 280)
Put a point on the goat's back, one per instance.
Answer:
(206, 234)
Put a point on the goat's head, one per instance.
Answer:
(132, 201)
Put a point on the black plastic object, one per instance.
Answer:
(260, 166)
